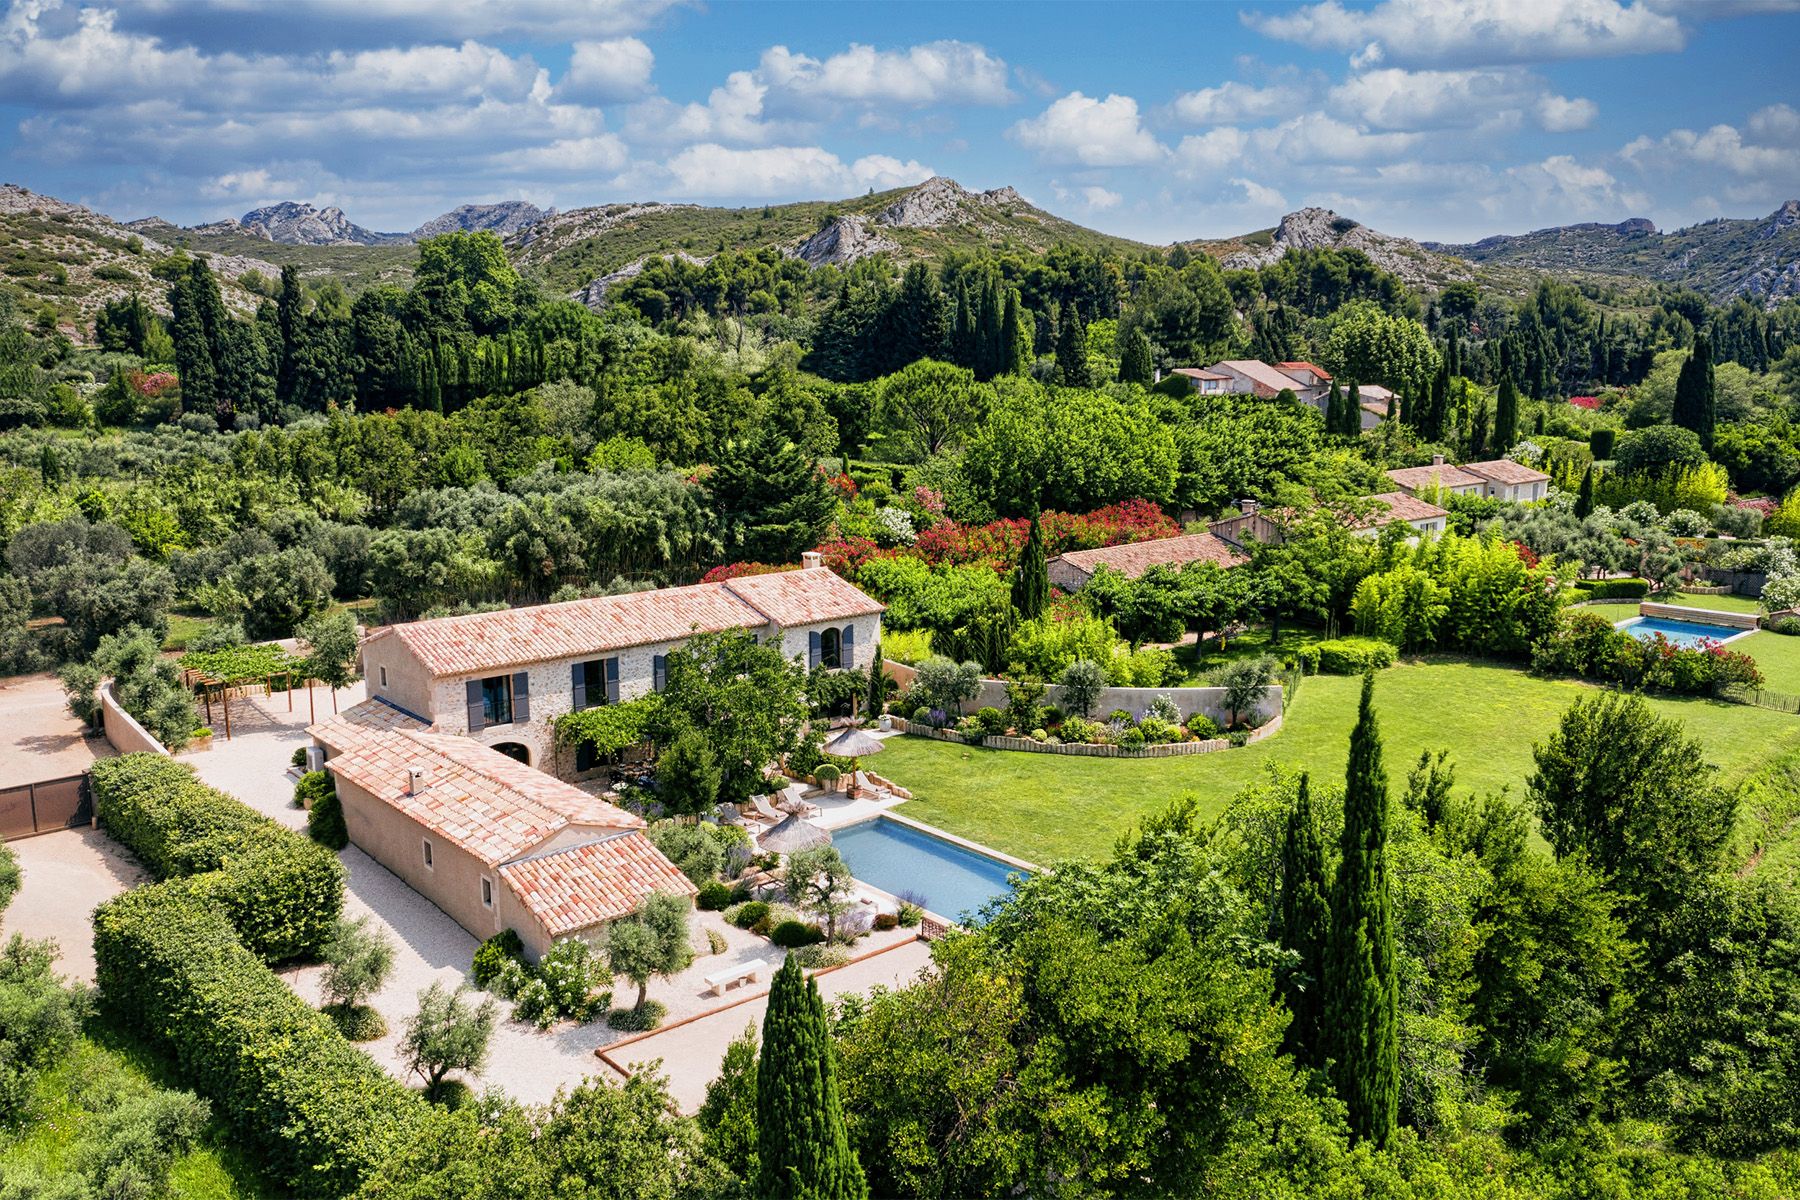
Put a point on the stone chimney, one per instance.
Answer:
(1247, 506)
(810, 559)
(1437, 460)
(415, 779)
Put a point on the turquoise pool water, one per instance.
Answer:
(1686, 634)
(896, 858)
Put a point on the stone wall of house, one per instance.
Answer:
(397, 842)
(391, 672)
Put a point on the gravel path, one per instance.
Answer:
(67, 875)
(39, 737)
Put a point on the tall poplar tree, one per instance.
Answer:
(1362, 991)
(1305, 926)
(1031, 579)
(803, 1148)
(1506, 416)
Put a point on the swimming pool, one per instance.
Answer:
(1685, 634)
(895, 857)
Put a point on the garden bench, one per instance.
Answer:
(718, 981)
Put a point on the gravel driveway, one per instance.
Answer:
(67, 875)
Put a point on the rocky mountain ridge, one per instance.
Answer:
(1321, 228)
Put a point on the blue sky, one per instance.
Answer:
(1446, 119)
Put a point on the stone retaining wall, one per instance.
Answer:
(1190, 700)
(1088, 749)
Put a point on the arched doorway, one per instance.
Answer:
(514, 750)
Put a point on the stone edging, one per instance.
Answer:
(1089, 749)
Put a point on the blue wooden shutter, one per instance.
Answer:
(472, 697)
(812, 649)
(521, 697)
(847, 648)
(612, 681)
(578, 687)
(659, 672)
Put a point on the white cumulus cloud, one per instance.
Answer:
(1453, 32)
(615, 69)
(1234, 101)
(1561, 114)
(778, 172)
(944, 72)
(1090, 131)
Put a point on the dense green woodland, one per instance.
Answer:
(1324, 993)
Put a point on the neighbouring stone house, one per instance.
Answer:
(502, 678)
(492, 842)
(1249, 377)
(1500, 479)
(1391, 507)
(1071, 570)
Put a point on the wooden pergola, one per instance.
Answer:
(210, 672)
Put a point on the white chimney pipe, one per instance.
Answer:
(810, 559)
(415, 780)
(1437, 460)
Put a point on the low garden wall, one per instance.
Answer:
(1190, 700)
(122, 729)
(1089, 749)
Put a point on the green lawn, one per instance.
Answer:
(107, 1066)
(1047, 806)
(1250, 644)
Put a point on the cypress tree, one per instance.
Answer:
(877, 698)
(1353, 411)
(1012, 337)
(1395, 399)
(1695, 399)
(1031, 580)
(1305, 919)
(1334, 409)
(1071, 348)
(803, 1149)
(1478, 430)
(1584, 499)
(1452, 357)
(1506, 416)
(1361, 993)
(991, 350)
(194, 361)
(1135, 365)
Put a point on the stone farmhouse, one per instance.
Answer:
(1071, 570)
(503, 677)
(1499, 479)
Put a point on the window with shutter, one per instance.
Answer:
(612, 681)
(659, 672)
(831, 648)
(578, 687)
(812, 649)
(847, 647)
(475, 700)
(521, 697)
(496, 696)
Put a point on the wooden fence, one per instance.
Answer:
(45, 807)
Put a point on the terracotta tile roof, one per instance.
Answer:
(583, 886)
(1198, 373)
(1260, 373)
(1305, 366)
(1134, 558)
(495, 807)
(352, 727)
(513, 637)
(1504, 470)
(804, 597)
(1373, 391)
(1400, 507)
(1443, 475)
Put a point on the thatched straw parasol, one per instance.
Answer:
(851, 742)
(794, 833)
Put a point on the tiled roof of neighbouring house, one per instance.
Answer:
(1440, 475)
(493, 806)
(1134, 558)
(1198, 373)
(1305, 366)
(514, 637)
(1399, 507)
(1259, 372)
(1504, 470)
(352, 727)
(583, 886)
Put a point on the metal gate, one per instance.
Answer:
(45, 807)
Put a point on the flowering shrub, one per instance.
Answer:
(1591, 403)
(843, 485)
(738, 570)
(1586, 644)
(894, 527)
(848, 555)
(929, 499)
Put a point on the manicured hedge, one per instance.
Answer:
(1615, 589)
(282, 892)
(1347, 656)
(319, 1111)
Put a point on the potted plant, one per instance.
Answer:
(826, 775)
